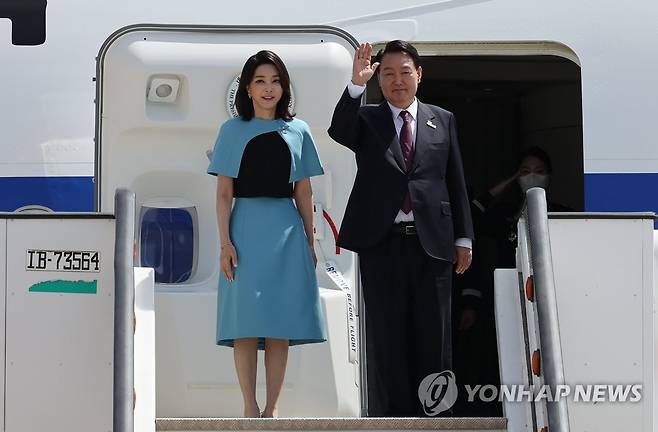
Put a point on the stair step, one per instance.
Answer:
(461, 424)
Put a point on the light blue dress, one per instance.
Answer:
(275, 291)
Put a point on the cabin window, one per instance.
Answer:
(28, 21)
(168, 243)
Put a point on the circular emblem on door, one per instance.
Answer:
(233, 90)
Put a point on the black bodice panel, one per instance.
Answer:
(264, 169)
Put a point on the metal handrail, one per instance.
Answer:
(541, 259)
(124, 311)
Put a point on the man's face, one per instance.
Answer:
(399, 78)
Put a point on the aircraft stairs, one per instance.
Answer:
(557, 316)
(578, 309)
(334, 424)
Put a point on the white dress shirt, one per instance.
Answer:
(355, 92)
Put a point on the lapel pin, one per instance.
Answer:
(430, 124)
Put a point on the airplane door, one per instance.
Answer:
(162, 92)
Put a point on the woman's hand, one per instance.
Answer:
(311, 246)
(228, 260)
(303, 195)
(500, 187)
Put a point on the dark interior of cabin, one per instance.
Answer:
(504, 104)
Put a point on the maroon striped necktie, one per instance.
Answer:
(406, 142)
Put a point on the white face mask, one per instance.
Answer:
(531, 180)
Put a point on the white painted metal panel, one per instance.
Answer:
(654, 326)
(59, 345)
(196, 378)
(144, 419)
(649, 302)
(605, 307)
(608, 45)
(511, 345)
(3, 312)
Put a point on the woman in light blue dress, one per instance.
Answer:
(268, 293)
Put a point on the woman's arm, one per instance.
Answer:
(303, 195)
(483, 202)
(227, 256)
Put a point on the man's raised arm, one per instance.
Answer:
(344, 124)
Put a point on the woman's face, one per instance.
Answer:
(531, 164)
(533, 173)
(265, 90)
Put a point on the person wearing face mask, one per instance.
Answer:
(495, 216)
(533, 179)
(498, 210)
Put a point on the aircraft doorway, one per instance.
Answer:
(507, 98)
(505, 104)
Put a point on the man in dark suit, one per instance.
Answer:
(409, 219)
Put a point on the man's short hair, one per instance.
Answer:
(396, 46)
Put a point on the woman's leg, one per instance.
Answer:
(245, 355)
(276, 359)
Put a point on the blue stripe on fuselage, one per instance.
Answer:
(604, 192)
(66, 194)
(621, 192)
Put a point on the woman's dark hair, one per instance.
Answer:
(540, 154)
(399, 46)
(244, 104)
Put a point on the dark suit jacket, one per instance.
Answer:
(435, 180)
